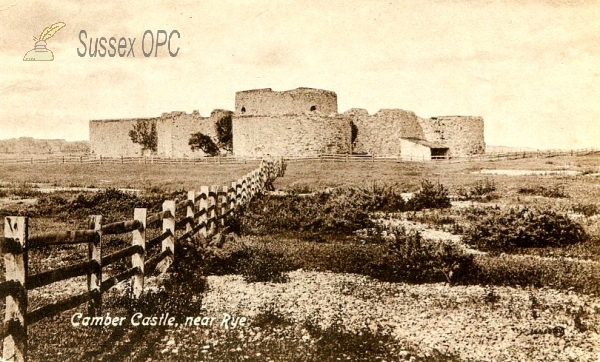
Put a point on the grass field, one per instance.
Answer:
(168, 177)
(535, 303)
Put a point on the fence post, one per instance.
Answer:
(248, 187)
(190, 211)
(232, 196)
(137, 259)
(15, 264)
(204, 206)
(224, 204)
(168, 224)
(258, 181)
(94, 276)
(214, 209)
(239, 196)
(242, 192)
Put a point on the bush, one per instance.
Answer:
(430, 196)
(111, 203)
(225, 260)
(586, 209)
(325, 213)
(559, 273)
(553, 192)
(481, 190)
(409, 258)
(341, 211)
(522, 228)
(263, 265)
(336, 340)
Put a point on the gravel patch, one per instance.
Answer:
(471, 322)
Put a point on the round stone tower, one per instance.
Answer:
(261, 102)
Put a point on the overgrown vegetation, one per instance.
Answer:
(23, 190)
(340, 211)
(409, 258)
(112, 203)
(527, 271)
(556, 191)
(586, 210)
(501, 231)
(482, 190)
(429, 196)
(260, 264)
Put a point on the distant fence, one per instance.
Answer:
(445, 159)
(101, 160)
(203, 212)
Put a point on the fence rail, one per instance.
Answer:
(102, 160)
(446, 159)
(203, 213)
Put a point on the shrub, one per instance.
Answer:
(324, 212)
(430, 196)
(336, 340)
(340, 211)
(522, 228)
(553, 192)
(586, 209)
(263, 265)
(225, 260)
(481, 190)
(111, 203)
(524, 271)
(409, 258)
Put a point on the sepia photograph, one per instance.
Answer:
(309, 180)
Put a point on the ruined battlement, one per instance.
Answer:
(297, 122)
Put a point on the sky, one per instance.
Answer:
(531, 69)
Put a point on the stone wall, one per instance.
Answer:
(381, 132)
(174, 130)
(463, 135)
(296, 101)
(290, 135)
(110, 138)
(299, 122)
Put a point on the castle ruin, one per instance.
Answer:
(301, 122)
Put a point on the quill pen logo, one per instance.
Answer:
(40, 52)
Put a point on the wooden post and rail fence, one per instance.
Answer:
(203, 213)
(324, 157)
